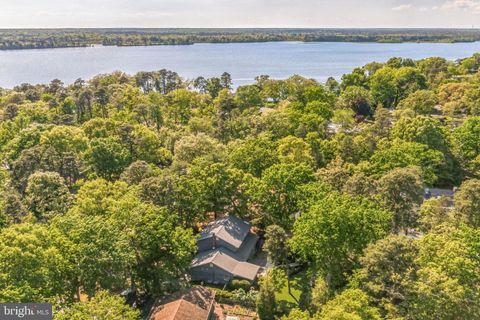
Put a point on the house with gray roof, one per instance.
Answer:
(437, 192)
(224, 248)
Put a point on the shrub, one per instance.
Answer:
(240, 284)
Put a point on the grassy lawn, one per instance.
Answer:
(298, 283)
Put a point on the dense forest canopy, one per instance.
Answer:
(63, 38)
(106, 183)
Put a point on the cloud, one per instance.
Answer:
(462, 5)
(239, 13)
(403, 7)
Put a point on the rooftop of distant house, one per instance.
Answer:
(438, 192)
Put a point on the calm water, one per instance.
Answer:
(243, 61)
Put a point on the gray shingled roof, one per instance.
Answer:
(436, 192)
(220, 257)
(226, 260)
(248, 246)
(230, 229)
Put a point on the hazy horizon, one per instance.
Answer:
(240, 28)
(451, 14)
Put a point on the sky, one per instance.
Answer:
(239, 13)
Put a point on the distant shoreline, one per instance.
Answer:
(228, 42)
(231, 42)
(24, 39)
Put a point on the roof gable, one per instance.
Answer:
(230, 229)
(196, 304)
(218, 257)
(224, 259)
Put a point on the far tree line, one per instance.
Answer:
(15, 39)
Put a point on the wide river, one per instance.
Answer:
(243, 61)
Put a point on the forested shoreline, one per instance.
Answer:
(106, 183)
(15, 39)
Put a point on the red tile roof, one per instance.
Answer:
(196, 304)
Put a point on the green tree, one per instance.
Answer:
(12, 207)
(193, 146)
(401, 191)
(65, 139)
(297, 314)
(32, 265)
(452, 97)
(320, 293)
(435, 212)
(472, 101)
(99, 252)
(217, 187)
(213, 86)
(144, 144)
(382, 123)
(277, 195)
(466, 142)
(276, 244)
(387, 268)
(294, 150)
(360, 185)
(226, 80)
(439, 296)
(354, 148)
(421, 102)
(103, 306)
(343, 119)
(276, 90)
(400, 154)
(420, 129)
(357, 99)
(248, 96)
(27, 138)
(356, 78)
(224, 103)
(279, 123)
(321, 108)
(397, 62)
(336, 174)
(266, 305)
(253, 155)
(435, 69)
(47, 195)
(467, 203)
(100, 128)
(383, 87)
(113, 239)
(350, 304)
(448, 275)
(107, 157)
(137, 172)
(179, 105)
(163, 250)
(333, 233)
(161, 190)
(184, 195)
(332, 85)
(409, 79)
